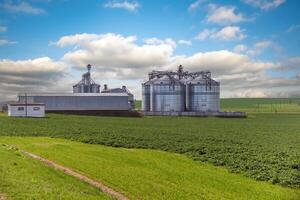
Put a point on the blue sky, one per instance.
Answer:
(254, 41)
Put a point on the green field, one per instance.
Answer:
(24, 178)
(150, 174)
(269, 105)
(262, 146)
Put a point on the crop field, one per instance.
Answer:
(150, 174)
(262, 146)
(265, 146)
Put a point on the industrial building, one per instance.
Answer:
(86, 96)
(79, 101)
(181, 91)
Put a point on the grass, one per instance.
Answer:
(263, 146)
(151, 174)
(24, 178)
(270, 105)
(138, 104)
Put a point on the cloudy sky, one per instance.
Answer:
(251, 46)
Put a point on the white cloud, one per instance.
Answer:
(195, 5)
(115, 55)
(227, 33)
(156, 41)
(240, 76)
(291, 64)
(130, 6)
(224, 15)
(22, 7)
(293, 28)
(3, 29)
(221, 62)
(6, 42)
(205, 34)
(32, 67)
(240, 48)
(33, 75)
(75, 39)
(263, 44)
(259, 47)
(265, 4)
(185, 42)
(230, 33)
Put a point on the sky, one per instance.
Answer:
(251, 46)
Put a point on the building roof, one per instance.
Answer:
(180, 77)
(116, 90)
(28, 104)
(7, 102)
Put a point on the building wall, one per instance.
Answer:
(32, 111)
(73, 103)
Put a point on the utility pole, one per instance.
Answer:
(25, 104)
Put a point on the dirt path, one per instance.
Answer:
(86, 179)
(2, 197)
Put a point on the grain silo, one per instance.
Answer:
(180, 91)
(204, 93)
(86, 85)
(164, 92)
(167, 94)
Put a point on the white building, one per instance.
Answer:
(26, 110)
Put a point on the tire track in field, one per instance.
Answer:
(81, 177)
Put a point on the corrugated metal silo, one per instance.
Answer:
(180, 91)
(167, 94)
(146, 96)
(205, 95)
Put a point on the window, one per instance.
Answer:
(20, 108)
(36, 108)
